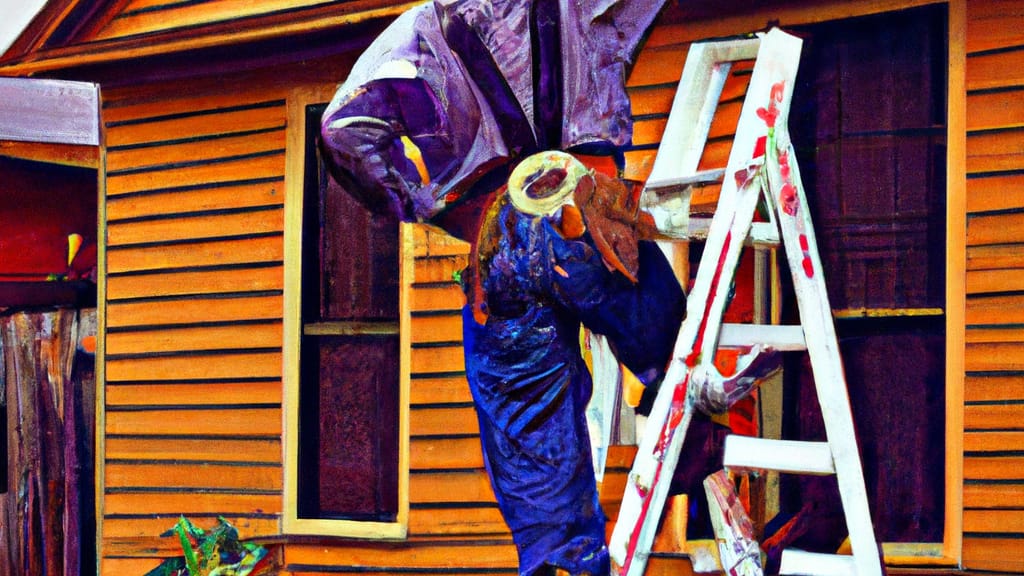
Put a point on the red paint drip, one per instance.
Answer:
(804, 245)
(691, 360)
(808, 267)
(760, 146)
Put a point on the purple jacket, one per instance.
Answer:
(453, 92)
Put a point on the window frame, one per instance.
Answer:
(295, 163)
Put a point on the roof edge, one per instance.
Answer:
(45, 60)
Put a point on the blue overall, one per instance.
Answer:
(531, 385)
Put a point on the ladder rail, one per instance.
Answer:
(822, 346)
(697, 341)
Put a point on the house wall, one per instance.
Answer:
(193, 309)
(195, 175)
(993, 494)
(192, 398)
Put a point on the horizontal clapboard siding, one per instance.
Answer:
(993, 492)
(449, 493)
(193, 421)
(652, 88)
(148, 17)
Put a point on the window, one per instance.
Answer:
(869, 126)
(346, 380)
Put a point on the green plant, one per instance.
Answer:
(214, 552)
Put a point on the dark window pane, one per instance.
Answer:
(359, 259)
(872, 156)
(895, 370)
(353, 443)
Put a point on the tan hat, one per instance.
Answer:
(544, 182)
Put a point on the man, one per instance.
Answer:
(431, 123)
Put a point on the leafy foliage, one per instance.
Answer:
(214, 552)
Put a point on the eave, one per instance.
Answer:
(230, 33)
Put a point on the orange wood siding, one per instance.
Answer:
(194, 206)
(138, 18)
(993, 493)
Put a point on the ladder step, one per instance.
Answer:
(814, 564)
(792, 456)
(784, 338)
(762, 234)
(681, 183)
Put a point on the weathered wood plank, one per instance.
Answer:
(995, 151)
(652, 100)
(994, 468)
(997, 192)
(446, 328)
(453, 521)
(195, 123)
(995, 281)
(264, 165)
(989, 388)
(129, 565)
(992, 553)
(193, 14)
(995, 229)
(440, 390)
(658, 65)
(229, 421)
(994, 257)
(445, 453)
(447, 487)
(995, 70)
(196, 283)
(994, 417)
(437, 359)
(141, 102)
(157, 393)
(198, 226)
(994, 24)
(76, 155)
(993, 356)
(994, 441)
(488, 554)
(989, 334)
(446, 296)
(201, 309)
(648, 131)
(256, 250)
(440, 269)
(994, 521)
(246, 364)
(990, 110)
(184, 448)
(995, 310)
(431, 241)
(443, 421)
(188, 503)
(233, 197)
(639, 164)
(244, 144)
(202, 476)
(146, 525)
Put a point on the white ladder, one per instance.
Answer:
(761, 164)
